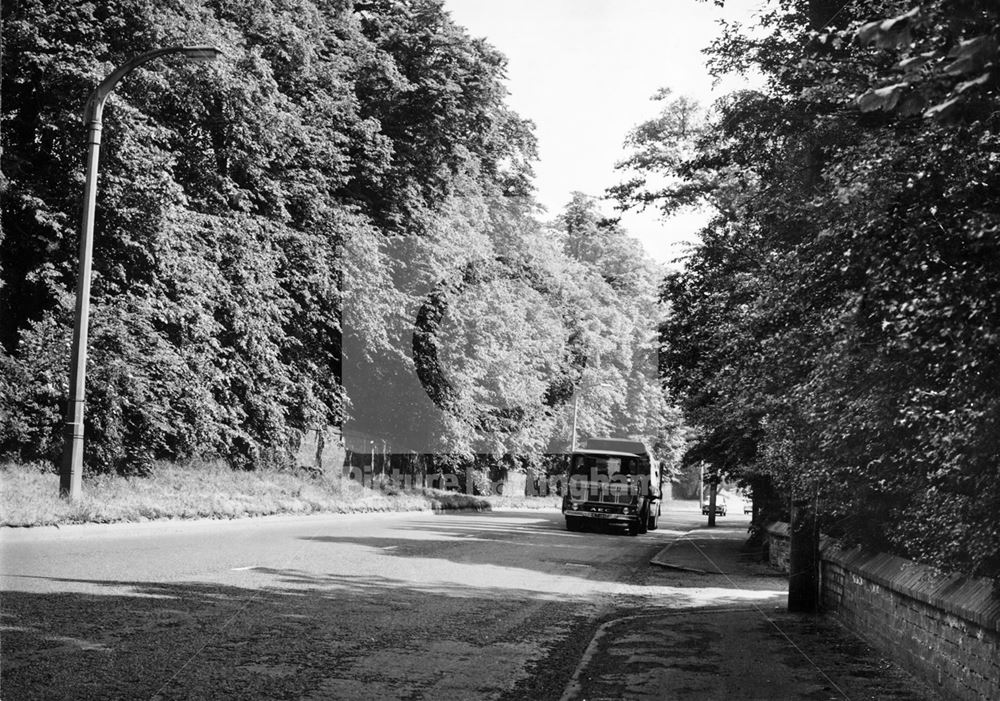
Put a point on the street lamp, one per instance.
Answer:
(71, 472)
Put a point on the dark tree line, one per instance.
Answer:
(225, 195)
(342, 159)
(836, 333)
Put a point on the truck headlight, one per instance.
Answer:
(625, 510)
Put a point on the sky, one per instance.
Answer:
(585, 71)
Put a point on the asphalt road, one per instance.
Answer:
(385, 606)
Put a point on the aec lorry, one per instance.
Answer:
(615, 481)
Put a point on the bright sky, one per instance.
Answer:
(584, 71)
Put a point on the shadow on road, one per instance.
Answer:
(191, 640)
(380, 615)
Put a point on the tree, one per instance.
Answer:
(227, 194)
(835, 331)
(947, 55)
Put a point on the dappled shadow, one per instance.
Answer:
(288, 640)
(408, 609)
(285, 640)
(539, 543)
(537, 546)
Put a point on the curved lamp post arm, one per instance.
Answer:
(95, 104)
(71, 470)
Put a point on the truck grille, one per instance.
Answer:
(605, 492)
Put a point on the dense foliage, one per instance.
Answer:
(243, 203)
(837, 331)
(489, 341)
(225, 192)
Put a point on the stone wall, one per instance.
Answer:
(778, 539)
(943, 629)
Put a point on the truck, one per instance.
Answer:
(614, 481)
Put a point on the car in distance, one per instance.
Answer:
(720, 506)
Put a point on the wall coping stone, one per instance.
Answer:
(970, 598)
(779, 528)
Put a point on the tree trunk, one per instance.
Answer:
(712, 489)
(803, 559)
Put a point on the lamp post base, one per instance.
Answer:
(71, 471)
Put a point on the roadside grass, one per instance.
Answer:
(29, 496)
(502, 502)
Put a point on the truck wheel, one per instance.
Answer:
(633, 528)
(572, 523)
(642, 525)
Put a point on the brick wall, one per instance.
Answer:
(943, 629)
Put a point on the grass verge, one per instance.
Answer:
(29, 496)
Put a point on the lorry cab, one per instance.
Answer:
(613, 480)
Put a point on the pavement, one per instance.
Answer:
(730, 644)
(718, 550)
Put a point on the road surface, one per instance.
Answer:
(385, 606)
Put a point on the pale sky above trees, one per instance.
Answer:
(584, 71)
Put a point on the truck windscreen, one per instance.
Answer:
(608, 466)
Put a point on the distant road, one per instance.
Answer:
(385, 606)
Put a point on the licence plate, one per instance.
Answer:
(595, 514)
